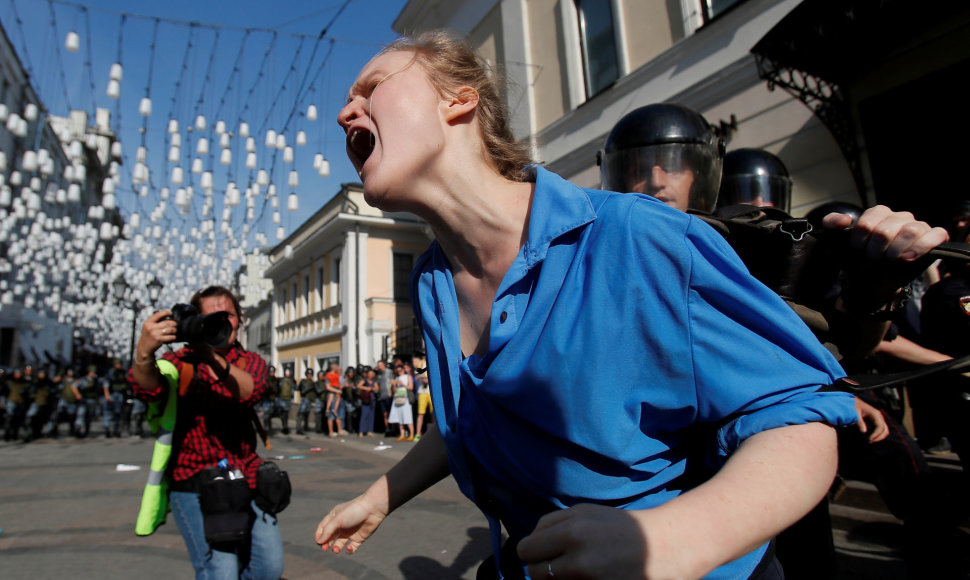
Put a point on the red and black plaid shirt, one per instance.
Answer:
(210, 423)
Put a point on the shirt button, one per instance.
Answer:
(503, 317)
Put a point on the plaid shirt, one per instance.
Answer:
(210, 423)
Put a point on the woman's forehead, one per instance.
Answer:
(382, 65)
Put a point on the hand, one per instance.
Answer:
(881, 231)
(586, 541)
(157, 330)
(869, 414)
(348, 525)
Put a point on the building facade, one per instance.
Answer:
(857, 97)
(56, 234)
(340, 286)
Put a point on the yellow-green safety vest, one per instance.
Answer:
(161, 421)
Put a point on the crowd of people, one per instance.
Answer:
(392, 399)
(36, 401)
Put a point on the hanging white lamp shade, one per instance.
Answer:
(3, 161)
(220, 127)
(116, 72)
(244, 129)
(173, 154)
(73, 42)
(114, 89)
(61, 196)
(5, 196)
(164, 193)
(281, 235)
(288, 155)
(80, 173)
(276, 217)
(250, 144)
(145, 107)
(324, 169)
(200, 122)
(141, 154)
(173, 126)
(311, 113)
(177, 175)
(292, 203)
(116, 149)
(262, 178)
(271, 190)
(294, 179)
(13, 121)
(176, 140)
(301, 138)
(76, 149)
(206, 181)
(281, 141)
(30, 112)
(202, 146)
(180, 198)
(108, 186)
(4, 112)
(29, 161)
(251, 161)
(135, 220)
(104, 232)
(73, 193)
(108, 202)
(15, 178)
(226, 157)
(250, 214)
(224, 140)
(316, 160)
(270, 138)
(197, 165)
(143, 192)
(140, 173)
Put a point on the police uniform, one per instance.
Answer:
(308, 396)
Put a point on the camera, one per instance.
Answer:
(195, 328)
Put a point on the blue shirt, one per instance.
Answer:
(630, 352)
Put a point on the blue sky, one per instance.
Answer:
(229, 66)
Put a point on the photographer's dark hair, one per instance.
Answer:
(217, 291)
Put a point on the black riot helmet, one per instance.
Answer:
(755, 177)
(649, 144)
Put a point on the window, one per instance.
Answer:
(403, 264)
(306, 294)
(283, 317)
(714, 8)
(296, 300)
(601, 66)
(335, 282)
(321, 285)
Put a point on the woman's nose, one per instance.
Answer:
(349, 112)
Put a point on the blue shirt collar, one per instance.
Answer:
(553, 215)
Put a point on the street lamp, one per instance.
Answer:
(120, 288)
(154, 289)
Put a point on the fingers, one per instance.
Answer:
(895, 235)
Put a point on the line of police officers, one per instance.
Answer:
(35, 402)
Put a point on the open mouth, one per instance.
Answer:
(360, 144)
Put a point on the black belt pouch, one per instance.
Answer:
(226, 514)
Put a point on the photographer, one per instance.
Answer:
(213, 438)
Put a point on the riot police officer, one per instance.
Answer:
(667, 151)
(287, 387)
(755, 177)
(308, 397)
(268, 408)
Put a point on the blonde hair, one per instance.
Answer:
(451, 63)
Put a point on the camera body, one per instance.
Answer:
(195, 328)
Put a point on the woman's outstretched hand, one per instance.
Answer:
(348, 525)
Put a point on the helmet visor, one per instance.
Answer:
(633, 170)
(754, 189)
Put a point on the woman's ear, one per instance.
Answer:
(461, 103)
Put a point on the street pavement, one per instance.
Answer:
(67, 510)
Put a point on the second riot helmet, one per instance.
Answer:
(755, 177)
(665, 150)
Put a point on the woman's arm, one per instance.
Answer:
(349, 524)
(773, 479)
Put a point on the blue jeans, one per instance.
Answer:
(264, 560)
